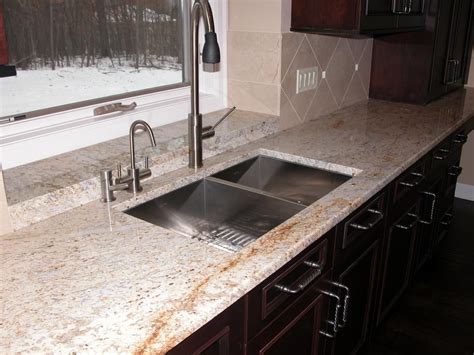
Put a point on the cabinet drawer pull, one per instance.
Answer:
(377, 217)
(345, 309)
(455, 171)
(447, 219)
(418, 179)
(396, 8)
(335, 322)
(305, 282)
(444, 154)
(460, 138)
(411, 225)
(433, 206)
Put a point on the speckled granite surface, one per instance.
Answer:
(48, 187)
(95, 280)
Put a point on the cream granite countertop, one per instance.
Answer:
(95, 280)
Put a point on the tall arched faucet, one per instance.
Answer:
(210, 55)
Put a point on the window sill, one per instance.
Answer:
(46, 136)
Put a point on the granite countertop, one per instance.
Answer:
(96, 280)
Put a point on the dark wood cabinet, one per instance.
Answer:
(330, 297)
(297, 330)
(360, 278)
(356, 17)
(398, 257)
(418, 67)
(224, 335)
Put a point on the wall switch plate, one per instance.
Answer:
(306, 79)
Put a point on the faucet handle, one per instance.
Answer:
(119, 171)
(146, 162)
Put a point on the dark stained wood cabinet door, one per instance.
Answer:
(296, 331)
(223, 335)
(398, 258)
(459, 42)
(360, 278)
(334, 15)
(429, 213)
(378, 15)
(415, 15)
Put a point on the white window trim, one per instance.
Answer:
(45, 136)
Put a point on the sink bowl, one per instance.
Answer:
(293, 182)
(238, 205)
(225, 216)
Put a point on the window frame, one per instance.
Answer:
(53, 133)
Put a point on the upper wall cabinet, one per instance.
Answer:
(418, 67)
(354, 17)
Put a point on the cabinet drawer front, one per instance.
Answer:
(440, 156)
(288, 284)
(296, 331)
(398, 258)
(367, 220)
(407, 185)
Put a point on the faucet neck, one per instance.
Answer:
(137, 125)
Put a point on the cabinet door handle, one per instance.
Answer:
(303, 283)
(447, 219)
(444, 154)
(411, 225)
(377, 217)
(455, 171)
(460, 138)
(396, 9)
(451, 72)
(345, 308)
(410, 6)
(433, 206)
(331, 333)
(418, 179)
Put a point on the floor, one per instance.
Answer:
(436, 315)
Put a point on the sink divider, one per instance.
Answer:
(252, 189)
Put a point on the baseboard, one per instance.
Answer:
(464, 191)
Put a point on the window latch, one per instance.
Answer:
(115, 107)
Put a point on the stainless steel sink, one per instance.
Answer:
(226, 216)
(238, 205)
(290, 181)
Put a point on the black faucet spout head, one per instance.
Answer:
(211, 53)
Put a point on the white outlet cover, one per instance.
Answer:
(306, 79)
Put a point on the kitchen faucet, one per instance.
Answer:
(210, 55)
(130, 182)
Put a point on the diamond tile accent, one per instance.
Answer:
(304, 59)
(357, 46)
(323, 102)
(291, 41)
(355, 92)
(288, 113)
(323, 48)
(365, 65)
(340, 70)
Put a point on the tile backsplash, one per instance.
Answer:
(263, 68)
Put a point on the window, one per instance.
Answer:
(68, 52)
(55, 130)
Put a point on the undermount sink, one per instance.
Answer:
(294, 182)
(238, 205)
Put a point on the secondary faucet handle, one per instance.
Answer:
(119, 171)
(146, 161)
(210, 131)
(107, 186)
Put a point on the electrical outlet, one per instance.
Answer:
(306, 79)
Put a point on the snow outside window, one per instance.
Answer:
(68, 52)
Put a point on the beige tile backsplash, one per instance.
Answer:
(263, 66)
